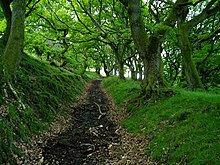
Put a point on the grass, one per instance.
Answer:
(93, 75)
(47, 92)
(182, 129)
(121, 90)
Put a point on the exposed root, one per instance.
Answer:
(21, 104)
(5, 90)
(101, 113)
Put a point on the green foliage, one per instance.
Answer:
(2, 22)
(98, 38)
(46, 91)
(182, 129)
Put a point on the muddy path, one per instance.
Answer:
(93, 137)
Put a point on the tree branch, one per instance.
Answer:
(32, 8)
(79, 17)
(210, 36)
(52, 24)
(207, 12)
(91, 17)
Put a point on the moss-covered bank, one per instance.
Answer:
(182, 129)
(46, 91)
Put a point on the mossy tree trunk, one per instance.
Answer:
(5, 4)
(190, 71)
(14, 46)
(147, 46)
(184, 27)
(151, 66)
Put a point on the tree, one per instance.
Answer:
(184, 28)
(206, 50)
(8, 15)
(15, 39)
(14, 45)
(149, 44)
(105, 27)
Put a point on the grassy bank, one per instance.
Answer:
(182, 129)
(46, 92)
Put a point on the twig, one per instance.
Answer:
(93, 131)
(90, 147)
(101, 113)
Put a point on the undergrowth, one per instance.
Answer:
(46, 91)
(182, 129)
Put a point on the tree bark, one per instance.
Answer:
(121, 69)
(5, 4)
(106, 69)
(191, 73)
(147, 47)
(13, 51)
(183, 29)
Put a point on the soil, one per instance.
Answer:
(95, 135)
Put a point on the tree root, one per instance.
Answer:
(101, 113)
(152, 96)
(21, 104)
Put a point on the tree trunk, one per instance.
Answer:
(151, 73)
(133, 74)
(106, 69)
(183, 29)
(121, 69)
(98, 69)
(13, 51)
(120, 62)
(191, 73)
(5, 4)
(147, 47)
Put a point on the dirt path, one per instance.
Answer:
(93, 137)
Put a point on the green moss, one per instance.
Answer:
(182, 129)
(161, 29)
(47, 88)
